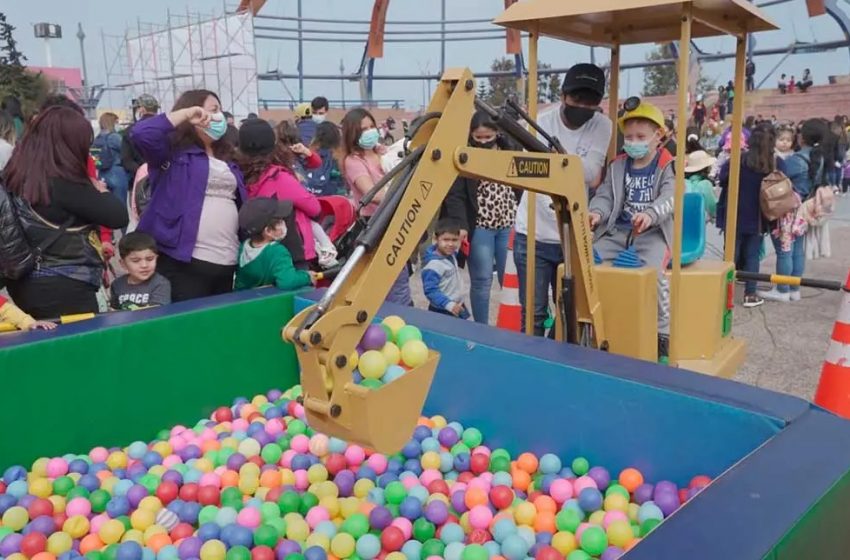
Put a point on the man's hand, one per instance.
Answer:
(457, 309)
(314, 277)
(641, 222)
(593, 219)
(197, 116)
(108, 250)
(42, 325)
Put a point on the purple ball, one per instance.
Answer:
(315, 553)
(644, 493)
(43, 524)
(447, 437)
(78, 466)
(274, 394)
(665, 486)
(380, 518)
(374, 338)
(611, 553)
(137, 470)
(189, 548)
(668, 502)
(263, 438)
(136, 494)
(287, 547)
(345, 482)
(11, 544)
(437, 512)
(26, 501)
(235, 461)
(459, 502)
(173, 476)
(600, 476)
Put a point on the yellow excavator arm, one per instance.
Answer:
(326, 334)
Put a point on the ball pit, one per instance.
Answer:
(254, 482)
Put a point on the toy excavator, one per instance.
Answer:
(326, 333)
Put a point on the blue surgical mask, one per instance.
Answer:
(636, 150)
(217, 127)
(369, 139)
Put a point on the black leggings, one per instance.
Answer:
(195, 279)
(48, 298)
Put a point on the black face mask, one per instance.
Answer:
(577, 116)
(486, 145)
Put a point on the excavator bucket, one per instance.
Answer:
(382, 419)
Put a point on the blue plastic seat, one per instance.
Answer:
(693, 228)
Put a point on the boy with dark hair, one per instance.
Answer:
(263, 260)
(142, 286)
(320, 107)
(634, 204)
(441, 279)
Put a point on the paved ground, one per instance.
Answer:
(787, 341)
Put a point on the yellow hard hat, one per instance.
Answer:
(643, 110)
(303, 110)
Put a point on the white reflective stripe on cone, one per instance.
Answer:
(838, 354)
(844, 311)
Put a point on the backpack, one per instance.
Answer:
(776, 196)
(103, 156)
(325, 180)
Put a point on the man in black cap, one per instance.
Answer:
(144, 106)
(585, 132)
(263, 260)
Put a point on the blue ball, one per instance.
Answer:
(90, 482)
(493, 548)
(273, 412)
(412, 449)
(167, 552)
(503, 528)
(393, 372)
(357, 376)
(208, 531)
(502, 478)
(430, 444)
(454, 551)
(457, 427)
(412, 549)
(118, 506)
(447, 461)
(17, 488)
(567, 472)
(394, 466)
(368, 546)
(452, 533)
(241, 536)
(327, 528)
(546, 482)
(590, 499)
(376, 496)
(129, 550)
(300, 462)
(411, 508)
(151, 458)
(527, 534)
(7, 501)
(70, 555)
(550, 464)
(78, 466)
(336, 445)
(648, 510)
(386, 478)
(572, 504)
(315, 553)
(514, 547)
(543, 537)
(461, 462)
(14, 473)
(190, 512)
(420, 433)
(148, 554)
(365, 471)
(414, 466)
(137, 449)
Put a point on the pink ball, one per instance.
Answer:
(430, 475)
(410, 482)
(481, 449)
(404, 525)
(97, 521)
(434, 558)
(210, 479)
(208, 434)
(302, 481)
(177, 443)
(220, 470)
(99, 454)
(286, 458)
(240, 425)
(300, 443)
(188, 436)
(170, 461)
(57, 467)
(479, 483)
(249, 517)
(316, 515)
(78, 506)
(298, 410)
(480, 517)
(581, 483)
(274, 427)
(561, 490)
(319, 446)
(378, 463)
(581, 528)
(354, 455)
(612, 516)
(487, 477)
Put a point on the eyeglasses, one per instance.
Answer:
(631, 103)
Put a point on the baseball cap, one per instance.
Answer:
(584, 76)
(256, 137)
(148, 101)
(256, 214)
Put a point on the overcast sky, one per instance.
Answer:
(114, 16)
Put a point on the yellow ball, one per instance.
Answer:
(394, 323)
(287, 477)
(620, 533)
(15, 518)
(259, 400)
(157, 470)
(75, 476)
(373, 365)
(342, 545)
(319, 539)
(362, 488)
(464, 523)
(633, 512)
(163, 448)
(348, 507)
(230, 443)
(150, 503)
(250, 470)
(317, 473)
(39, 467)
(298, 531)
(391, 353)
(248, 485)
(109, 484)
(616, 502)
(396, 556)
(430, 460)
(41, 487)
(213, 550)
(331, 504)
(16, 556)
(141, 519)
(77, 526)
(525, 513)
(414, 354)
(58, 503)
(596, 518)
(564, 542)
(117, 460)
(60, 542)
(261, 493)
(111, 531)
(134, 535)
(204, 465)
(155, 530)
(327, 489)
(354, 359)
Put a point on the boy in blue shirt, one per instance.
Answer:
(441, 279)
(635, 203)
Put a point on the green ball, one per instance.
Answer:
(269, 511)
(578, 555)
(617, 489)
(77, 492)
(283, 442)
(372, 383)
(500, 453)
(395, 509)
(95, 555)
(238, 553)
(271, 453)
(308, 502)
(568, 520)
(395, 493)
(296, 427)
(357, 525)
(647, 526)
(110, 552)
(289, 502)
(472, 437)
(125, 520)
(406, 334)
(265, 535)
(163, 435)
(4, 532)
(231, 495)
(389, 331)
(580, 466)
(278, 523)
(207, 514)
(459, 448)
(499, 464)
(150, 482)
(99, 498)
(62, 485)
(432, 547)
(594, 541)
(474, 552)
(294, 556)
(423, 530)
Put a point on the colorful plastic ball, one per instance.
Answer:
(649, 510)
(59, 542)
(580, 466)
(406, 334)
(392, 353)
(15, 518)
(374, 338)
(630, 479)
(394, 323)
(564, 542)
(514, 547)
(578, 555)
(414, 353)
(619, 533)
(593, 540)
(668, 502)
(474, 552)
(561, 490)
(368, 546)
(612, 553)
(590, 499)
(392, 539)
(111, 531)
(373, 365)
(342, 545)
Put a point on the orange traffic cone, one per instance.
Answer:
(510, 311)
(833, 391)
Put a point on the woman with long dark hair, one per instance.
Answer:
(60, 209)
(756, 163)
(196, 191)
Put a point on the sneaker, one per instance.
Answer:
(752, 300)
(663, 346)
(775, 295)
(794, 296)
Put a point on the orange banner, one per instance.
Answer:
(513, 43)
(376, 29)
(815, 7)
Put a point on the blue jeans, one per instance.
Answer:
(400, 290)
(488, 248)
(117, 182)
(747, 246)
(790, 263)
(547, 258)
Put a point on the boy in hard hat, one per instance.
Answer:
(634, 204)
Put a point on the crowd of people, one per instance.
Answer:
(200, 206)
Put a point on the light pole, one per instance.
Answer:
(342, 82)
(48, 31)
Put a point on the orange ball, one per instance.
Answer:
(545, 521)
(545, 504)
(103, 475)
(527, 462)
(424, 421)
(89, 543)
(43, 556)
(270, 479)
(366, 508)
(630, 479)
(247, 410)
(632, 543)
(230, 478)
(210, 445)
(475, 497)
(158, 541)
(521, 479)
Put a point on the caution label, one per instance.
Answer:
(528, 167)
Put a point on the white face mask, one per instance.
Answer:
(318, 119)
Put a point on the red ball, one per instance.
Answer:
(181, 531)
(465, 477)
(381, 555)
(32, 544)
(167, 491)
(548, 553)
(275, 493)
(683, 495)
(262, 553)
(290, 408)
(253, 416)
(479, 463)
(336, 463)
(501, 497)
(189, 492)
(39, 507)
(257, 460)
(438, 486)
(479, 536)
(208, 495)
(534, 495)
(2, 487)
(59, 519)
(223, 414)
(698, 481)
(392, 539)
(453, 519)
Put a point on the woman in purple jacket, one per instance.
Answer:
(196, 192)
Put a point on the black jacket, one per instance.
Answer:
(131, 159)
